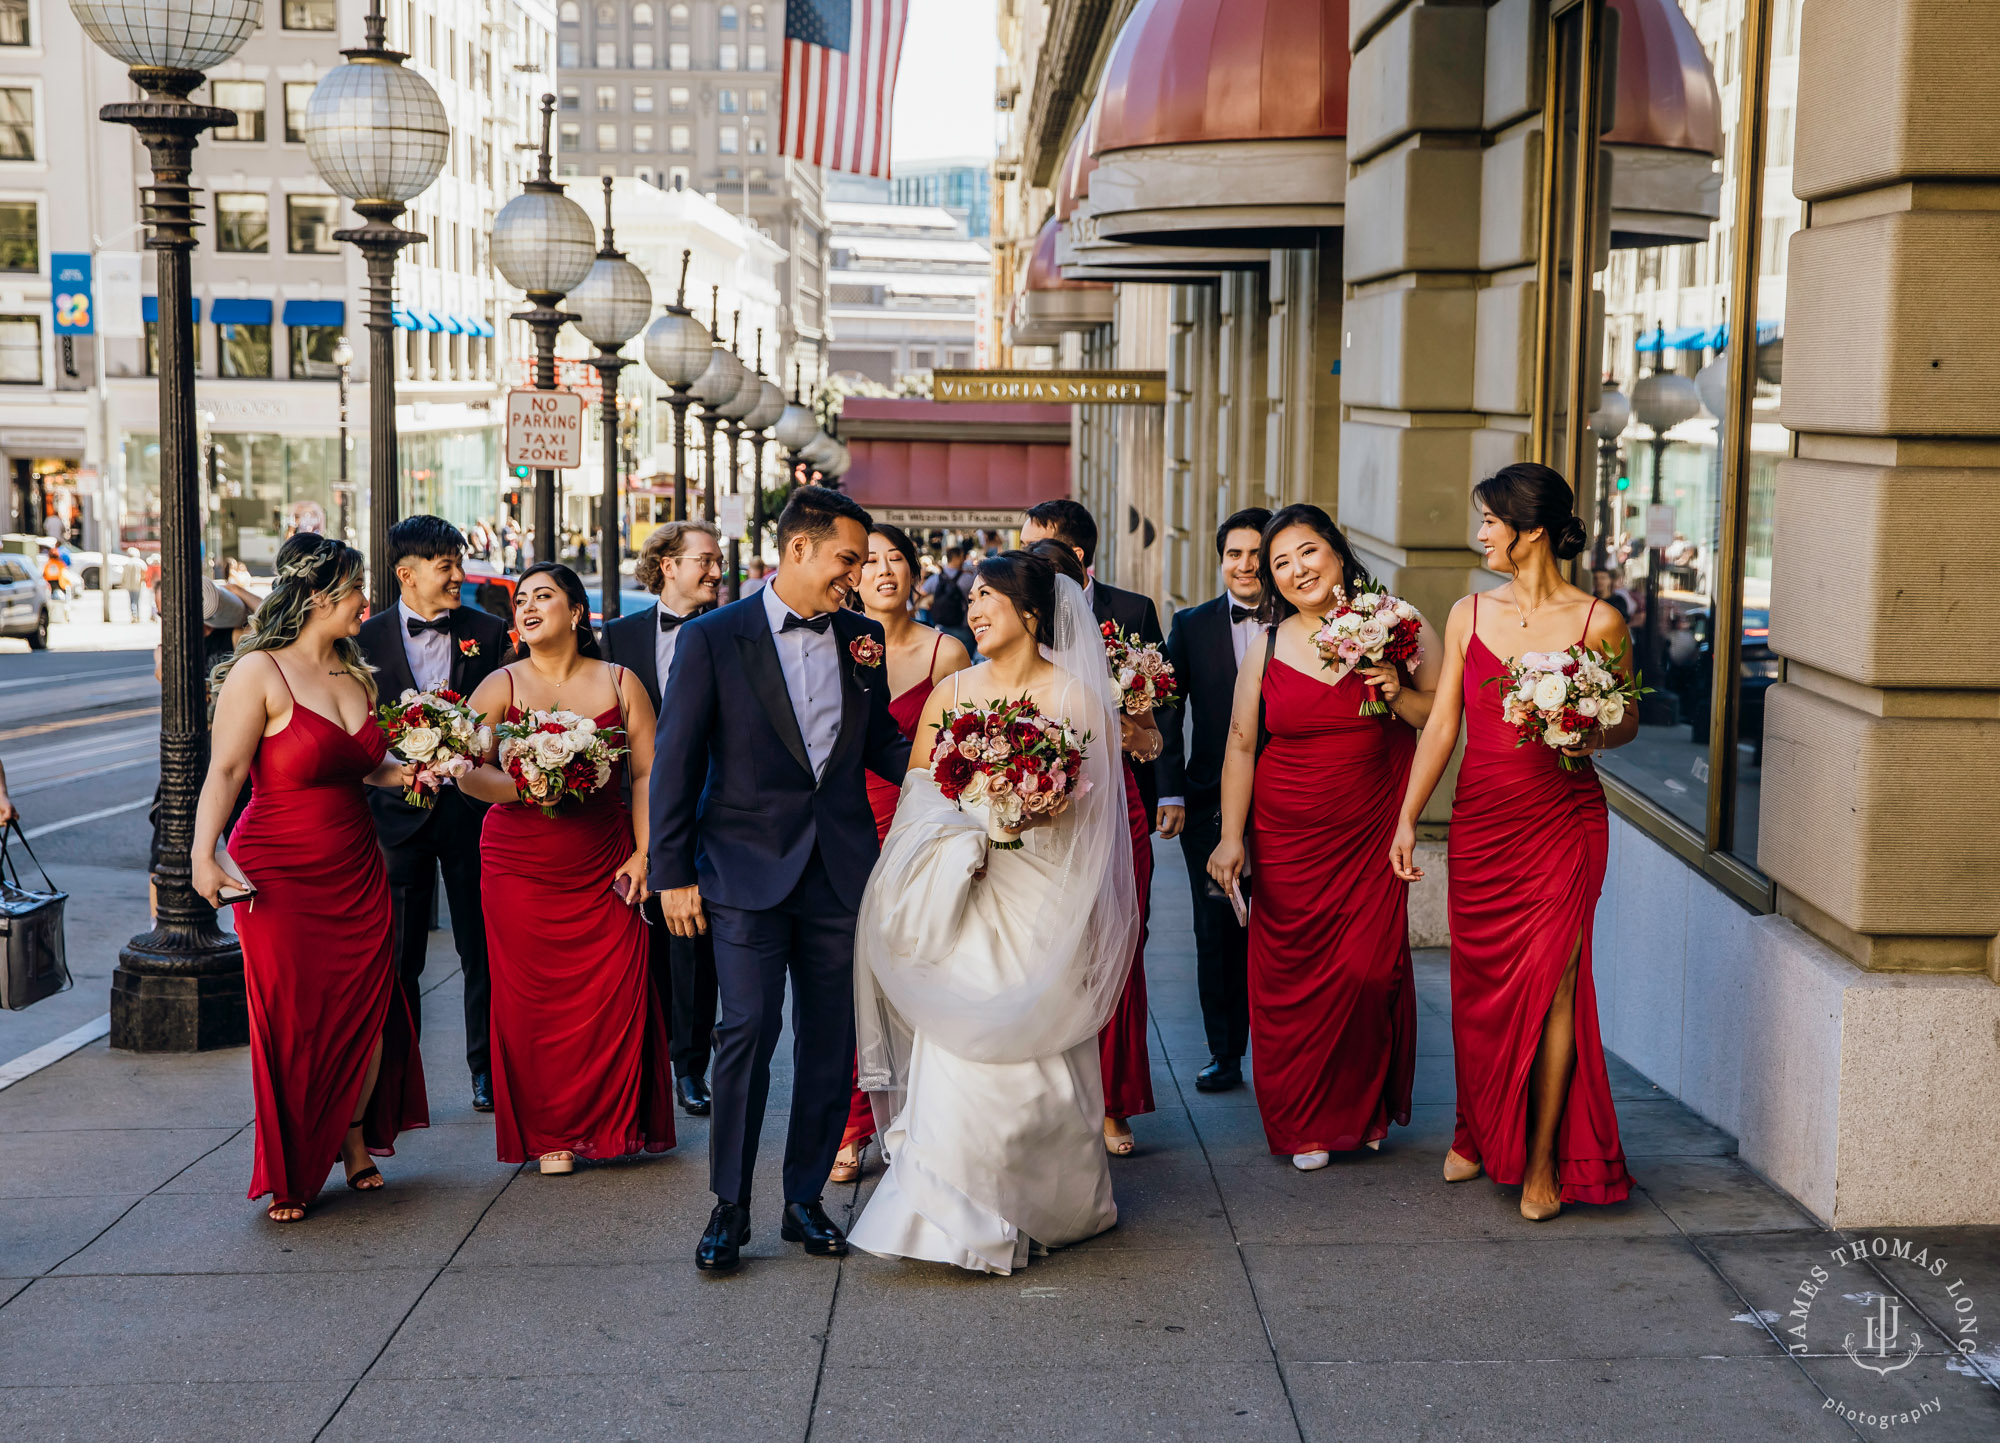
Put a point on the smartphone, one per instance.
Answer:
(1238, 905)
(622, 885)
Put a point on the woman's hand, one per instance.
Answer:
(1387, 679)
(1586, 745)
(209, 878)
(634, 872)
(394, 772)
(1403, 853)
(1228, 862)
(8, 811)
(1140, 737)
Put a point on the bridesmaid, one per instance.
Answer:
(918, 658)
(1333, 1014)
(579, 1032)
(333, 1057)
(1526, 861)
(1122, 1050)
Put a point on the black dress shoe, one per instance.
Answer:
(728, 1231)
(482, 1092)
(1220, 1075)
(693, 1093)
(808, 1223)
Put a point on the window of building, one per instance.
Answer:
(245, 351)
(607, 55)
(308, 14)
(642, 137)
(642, 100)
(242, 221)
(21, 350)
(13, 22)
(298, 93)
(725, 140)
(310, 221)
(607, 14)
(607, 137)
(757, 175)
(757, 102)
(677, 98)
(677, 177)
(677, 16)
(725, 56)
(572, 98)
(679, 139)
(754, 57)
(20, 236)
(725, 102)
(730, 172)
(569, 55)
(922, 358)
(756, 17)
(607, 97)
(17, 124)
(678, 55)
(246, 98)
(727, 19)
(756, 142)
(312, 350)
(642, 55)
(569, 12)
(569, 136)
(642, 13)
(153, 348)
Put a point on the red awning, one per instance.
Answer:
(987, 463)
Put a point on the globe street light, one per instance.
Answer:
(1607, 422)
(770, 406)
(178, 986)
(545, 246)
(718, 386)
(749, 396)
(676, 349)
(377, 134)
(1661, 402)
(795, 426)
(611, 306)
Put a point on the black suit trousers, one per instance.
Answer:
(447, 843)
(684, 971)
(808, 937)
(1221, 948)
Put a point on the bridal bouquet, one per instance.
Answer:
(1370, 627)
(1144, 678)
(555, 755)
(1018, 762)
(1555, 697)
(437, 731)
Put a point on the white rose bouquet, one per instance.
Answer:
(1371, 628)
(555, 755)
(437, 731)
(1556, 697)
(1012, 759)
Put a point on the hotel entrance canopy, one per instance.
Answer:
(924, 465)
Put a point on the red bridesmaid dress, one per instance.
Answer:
(908, 710)
(318, 961)
(1121, 1047)
(1333, 1010)
(1527, 854)
(579, 1032)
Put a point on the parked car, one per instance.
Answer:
(85, 566)
(24, 600)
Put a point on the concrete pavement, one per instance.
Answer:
(141, 1297)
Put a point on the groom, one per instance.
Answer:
(762, 835)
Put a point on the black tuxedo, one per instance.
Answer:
(683, 967)
(1135, 614)
(1204, 659)
(781, 857)
(420, 842)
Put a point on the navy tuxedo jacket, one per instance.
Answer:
(631, 642)
(735, 807)
(1204, 658)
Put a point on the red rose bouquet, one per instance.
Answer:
(437, 731)
(555, 755)
(1011, 759)
(1144, 678)
(1370, 627)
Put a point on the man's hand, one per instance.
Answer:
(1170, 821)
(681, 906)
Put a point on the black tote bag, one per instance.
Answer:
(31, 925)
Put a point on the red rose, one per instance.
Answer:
(951, 773)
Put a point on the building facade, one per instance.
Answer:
(904, 286)
(1383, 247)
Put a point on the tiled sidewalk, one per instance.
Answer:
(144, 1298)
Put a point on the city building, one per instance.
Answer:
(963, 186)
(686, 96)
(1346, 233)
(904, 290)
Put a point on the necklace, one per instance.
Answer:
(1515, 601)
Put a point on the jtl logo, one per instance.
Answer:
(1879, 1345)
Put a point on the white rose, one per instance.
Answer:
(419, 743)
(1373, 634)
(409, 695)
(530, 773)
(1526, 690)
(1610, 711)
(974, 790)
(1586, 705)
(603, 775)
(1555, 736)
(1551, 691)
(1405, 611)
(583, 726)
(1597, 677)
(550, 751)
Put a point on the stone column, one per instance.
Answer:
(1302, 427)
(1240, 377)
(1140, 432)
(1191, 501)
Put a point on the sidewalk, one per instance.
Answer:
(141, 1297)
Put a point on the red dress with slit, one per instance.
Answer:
(1333, 1011)
(1527, 854)
(318, 958)
(1122, 1050)
(579, 1031)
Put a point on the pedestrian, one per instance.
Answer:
(757, 577)
(430, 640)
(1206, 646)
(579, 1033)
(1529, 840)
(131, 579)
(949, 590)
(334, 1064)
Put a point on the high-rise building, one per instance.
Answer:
(963, 186)
(905, 287)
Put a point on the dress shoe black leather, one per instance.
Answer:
(1220, 1075)
(482, 1092)
(693, 1093)
(808, 1223)
(728, 1231)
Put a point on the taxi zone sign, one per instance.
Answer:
(545, 429)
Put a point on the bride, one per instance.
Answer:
(983, 976)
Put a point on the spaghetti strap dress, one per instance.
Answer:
(1526, 860)
(1122, 1050)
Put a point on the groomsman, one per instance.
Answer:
(429, 640)
(681, 564)
(1207, 647)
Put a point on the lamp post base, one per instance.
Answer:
(172, 1001)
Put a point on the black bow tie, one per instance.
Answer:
(817, 624)
(442, 625)
(1242, 613)
(670, 622)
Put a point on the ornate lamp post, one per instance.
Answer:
(178, 986)
(343, 357)
(377, 134)
(676, 349)
(794, 428)
(1608, 423)
(718, 386)
(770, 406)
(545, 246)
(611, 306)
(1661, 401)
(734, 412)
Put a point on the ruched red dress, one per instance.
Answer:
(1333, 1013)
(1527, 854)
(1122, 1050)
(318, 962)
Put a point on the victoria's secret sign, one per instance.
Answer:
(1078, 388)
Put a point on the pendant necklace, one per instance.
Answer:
(1524, 615)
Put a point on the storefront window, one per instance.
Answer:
(453, 474)
(242, 221)
(312, 350)
(310, 221)
(245, 350)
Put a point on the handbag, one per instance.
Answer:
(31, 923)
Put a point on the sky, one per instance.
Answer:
(944, 86)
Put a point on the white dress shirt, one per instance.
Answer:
(1241, 633)
(428, 652)
(664, 642)
(811, 663)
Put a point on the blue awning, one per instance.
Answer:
(315, 313)
(1767, 331)
(428, 320)
(229, 311)
(404, 321)
(449, 324)
(474, 326)
(149, 308)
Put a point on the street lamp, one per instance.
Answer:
(794, 428)
(1661, 401)
(749, 396)
(343, 357)
(718, 386)
(377, 134)
(1608, 422)
(611, 306)
(819, 453)
(544, 245)
(178, 987)
(676, 350)
(770, 406)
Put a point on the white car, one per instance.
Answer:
(24, 602)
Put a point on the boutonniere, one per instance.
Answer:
(865, 650)
(468, 647)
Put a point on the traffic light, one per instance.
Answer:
(520, 473)
(1624, 483)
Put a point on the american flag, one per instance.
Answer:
(840, 82)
